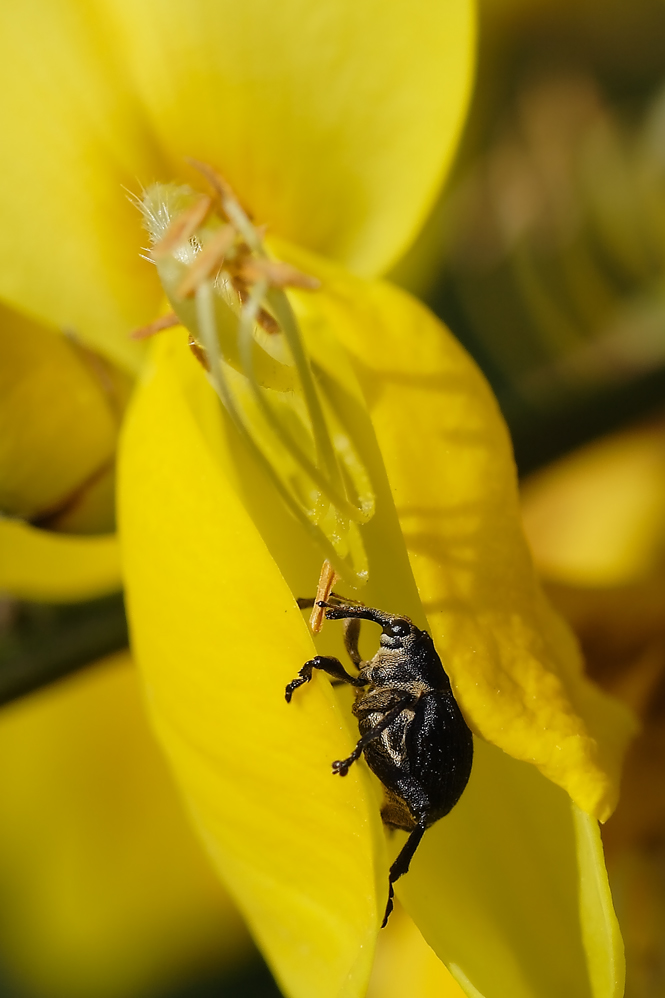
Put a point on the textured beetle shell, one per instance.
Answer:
(424, 757)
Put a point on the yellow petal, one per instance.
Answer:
(406, 967)
(511, 891)
(56, 568)
(106, 892)
(91, 510)
(601, 934)
(73, 137)
(59, 418)
(515, 667)
(218, 635)
(333, 122)
(595, 518)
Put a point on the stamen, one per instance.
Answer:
(182, 228)
(265, 383)
(156, 326)
(327, 580)
(208, 260)
(230, 205)
(245, 342)
(286, 319)
(206, 316)
(277, 273)
(266, 321)
(198, 352)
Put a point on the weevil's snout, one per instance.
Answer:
(395, 632)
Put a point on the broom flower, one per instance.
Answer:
(321, 413)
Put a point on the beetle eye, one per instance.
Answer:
(399, 627)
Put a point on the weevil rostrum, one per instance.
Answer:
(412, 732)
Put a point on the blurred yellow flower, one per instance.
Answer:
(60, 411)
(596, 526)
(595, 518)
(333, 123)
(105, 891)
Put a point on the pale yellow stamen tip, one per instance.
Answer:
(327, 580)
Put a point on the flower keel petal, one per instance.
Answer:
(514, 664)
(218, 635)
(519, 867)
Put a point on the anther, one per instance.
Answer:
(208, 261)
(266, 321)
(198, 352)
(182, 228)
(327, 580)
(229, 203)
(156, 326)
(277, 273)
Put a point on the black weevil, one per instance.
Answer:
(413, 735)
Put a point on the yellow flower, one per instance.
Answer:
(405, 964)
(105, 891)
(60, 412)
(333, 124)
(595, 522)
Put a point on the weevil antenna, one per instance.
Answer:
(344, 611)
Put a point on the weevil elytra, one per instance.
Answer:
(412, 732)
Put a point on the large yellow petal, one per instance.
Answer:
(529, 875)
(406, 967)
(514, 664)
(215, 630)
(56, 568)
(58, 421)
(218, 635)
(104, 891)
(333, 122)
(515, 842)
(511, 891)
(72, 138)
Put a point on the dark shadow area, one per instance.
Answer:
(42, 642)
(252, 980)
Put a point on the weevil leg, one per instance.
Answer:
(341, 766)
(326, 663)
(351, 636)
(305, 602)
(401, 865)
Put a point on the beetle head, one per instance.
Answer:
(396, 632)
